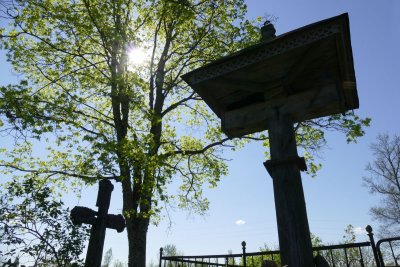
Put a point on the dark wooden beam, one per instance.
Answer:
(299, 107)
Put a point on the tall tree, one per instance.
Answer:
(384, 181)
(102, 116)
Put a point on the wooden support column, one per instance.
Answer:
(284, 168)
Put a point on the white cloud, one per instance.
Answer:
(240, 222)
(360, 231)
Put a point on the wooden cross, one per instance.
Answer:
(99, 220)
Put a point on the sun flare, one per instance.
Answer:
(136, 56)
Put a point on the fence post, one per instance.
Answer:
(373, 246)
(244, 253)
(161, 251)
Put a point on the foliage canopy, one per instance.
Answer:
(35, 227)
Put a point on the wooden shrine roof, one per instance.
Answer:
(306, 73)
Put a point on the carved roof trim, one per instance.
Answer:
(260, 52)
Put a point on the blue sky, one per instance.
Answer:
(336, 197)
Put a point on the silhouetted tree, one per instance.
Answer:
(120, 264)
(36, 227)
(108, 256)
(384, 181)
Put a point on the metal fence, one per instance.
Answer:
(389, 251)
(385, 253)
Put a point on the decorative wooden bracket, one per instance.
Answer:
(300, 162)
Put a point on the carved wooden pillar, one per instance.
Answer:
(284, 168)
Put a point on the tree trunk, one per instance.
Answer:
(137, 234)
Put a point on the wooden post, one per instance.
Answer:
(284, 168)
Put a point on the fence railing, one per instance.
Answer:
(385, 253)
(388, 250)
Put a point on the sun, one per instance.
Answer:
(136, 56)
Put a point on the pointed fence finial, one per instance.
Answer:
(244, 253)
(373, 245)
